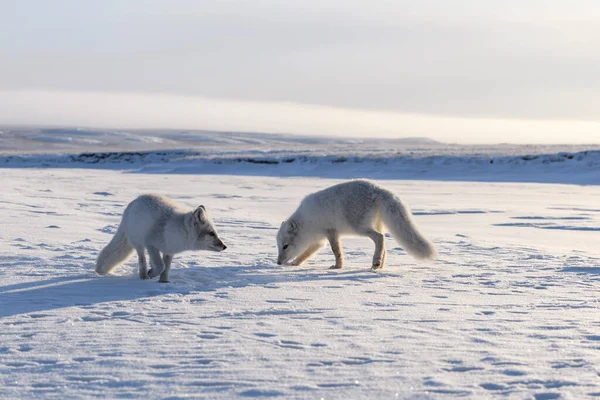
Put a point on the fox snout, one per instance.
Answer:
(220, 246)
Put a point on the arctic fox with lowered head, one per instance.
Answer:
(160, 225)
(357, 207)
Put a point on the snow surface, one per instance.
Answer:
(509, 310)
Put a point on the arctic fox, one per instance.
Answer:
(156, 223)
(357, 207)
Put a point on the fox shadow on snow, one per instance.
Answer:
(86, 289)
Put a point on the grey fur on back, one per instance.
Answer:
(348, 206)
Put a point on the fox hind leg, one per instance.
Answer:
(336, 247)
(380, 228)
(157, 263)
(143, 266)
(379, 256)
(164, 277)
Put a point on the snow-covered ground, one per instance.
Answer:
(509, 310)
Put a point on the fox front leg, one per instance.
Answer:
(334, 242)
(312, 249)
(164, 277)
(157, 263)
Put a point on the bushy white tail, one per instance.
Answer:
(117, 251)
(398, 219)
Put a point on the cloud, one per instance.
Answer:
(538, 59)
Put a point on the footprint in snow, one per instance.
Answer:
(265, 335)
(111, 229)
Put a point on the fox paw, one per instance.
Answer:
(377, 266)
(336, 267)
(152, 274)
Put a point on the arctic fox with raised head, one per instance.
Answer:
(156, 223)
(357, 207)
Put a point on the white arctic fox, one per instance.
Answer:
(357, 207)
(156, 223)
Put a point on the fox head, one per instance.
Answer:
(206, 237)
(290, 243)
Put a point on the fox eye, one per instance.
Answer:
(285, 246)
(211, 234)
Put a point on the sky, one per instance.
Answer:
(466, 71)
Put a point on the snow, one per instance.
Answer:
(510, 309)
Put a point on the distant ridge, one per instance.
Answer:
(34, 139)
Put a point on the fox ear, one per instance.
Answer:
(200, 213)
(293, 224)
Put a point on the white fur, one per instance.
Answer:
(157, 224)
(357, 207)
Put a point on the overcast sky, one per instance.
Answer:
(460, 70)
